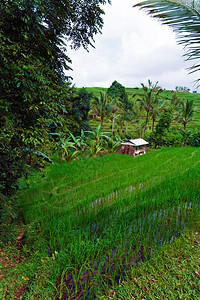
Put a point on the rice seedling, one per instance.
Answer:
(106, 216)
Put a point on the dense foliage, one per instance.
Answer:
(118, 92)
(35, 97)
(159, 137)
(81, 108)
(194, 139)
(181, 108)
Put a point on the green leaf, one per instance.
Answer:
(184, 18)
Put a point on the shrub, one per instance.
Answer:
(12, 166)
(194, 139)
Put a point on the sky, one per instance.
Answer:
(132, 48)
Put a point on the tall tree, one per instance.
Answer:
(101, 106)
(34, 36)
(148, 99)
(187, 112)
(114, 110)
(118, 93)
(127, 110)
(81, 108)
(33, 52)
(157, 107)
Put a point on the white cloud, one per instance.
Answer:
(132, 48)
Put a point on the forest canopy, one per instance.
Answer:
(35, 94)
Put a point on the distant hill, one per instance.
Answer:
(167, 94)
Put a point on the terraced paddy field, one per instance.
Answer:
(92, 225)
(166, 94)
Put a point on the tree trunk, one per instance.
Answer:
(147, 118)
(101, 123)
(113, 123)
(126, 127)
(63, 155)
(153, 124)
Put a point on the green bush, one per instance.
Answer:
(167, 139)
(11, 169)
(194, 139)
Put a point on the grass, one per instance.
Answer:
(95, 221)
(29, 278)
(173, 273)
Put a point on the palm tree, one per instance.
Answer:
(184, 17)
(101, 107)
(175, 106)
(148, 99)
(157, 107)
(187, 112)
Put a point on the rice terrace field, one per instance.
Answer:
(103, 228)
(165, 94)
(86, 213)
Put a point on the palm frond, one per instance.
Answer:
(184, 18)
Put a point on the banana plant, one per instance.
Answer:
(69, 149)
(185, 136)
(94, 148)
(112, 144)
(98, 135)
(79, 141)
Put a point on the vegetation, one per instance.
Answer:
(182, 89)
(187, 112)
(160, 137)
(161, 101)
(96, 220)
(88, 225)
(172, 13)
(173, 273)
(148, 101)
(101, 107)
(36, 98)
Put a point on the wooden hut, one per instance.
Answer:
(134, 147)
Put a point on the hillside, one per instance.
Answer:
(91, 223)
(166, 94)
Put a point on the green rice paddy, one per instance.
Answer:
(102, 218)
(94, 225)
(166, 94)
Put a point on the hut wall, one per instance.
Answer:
(127, 149)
